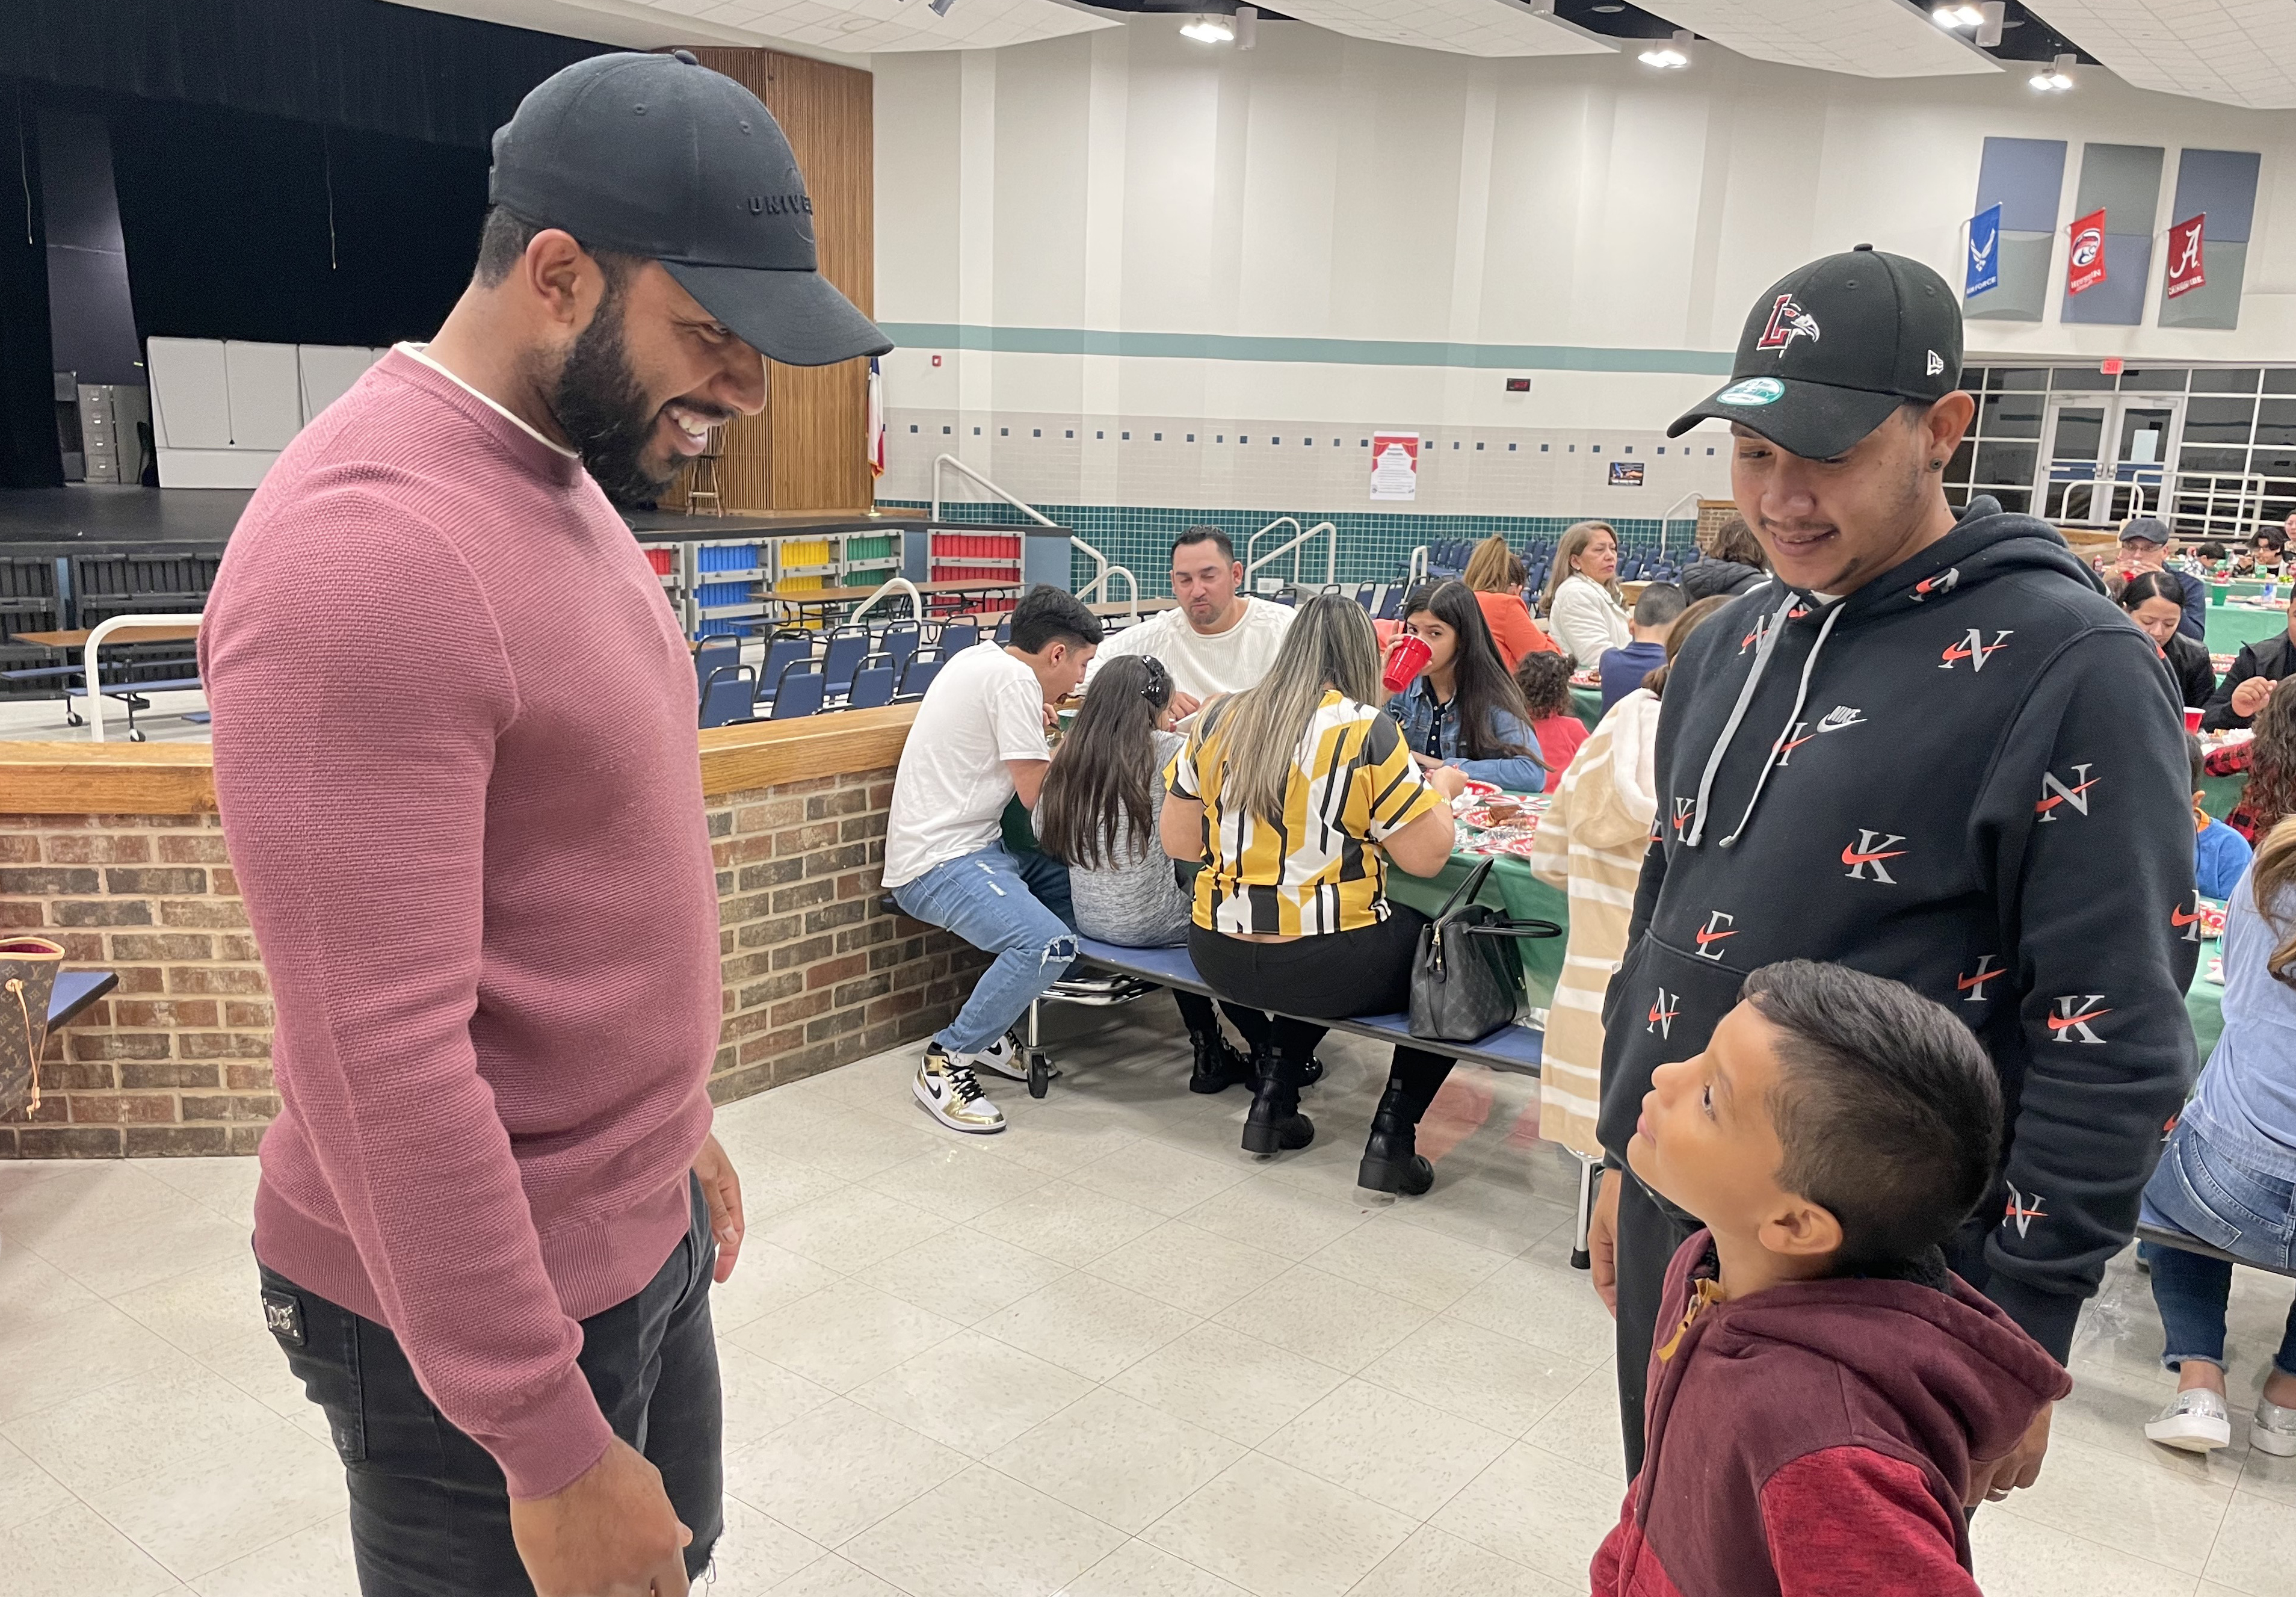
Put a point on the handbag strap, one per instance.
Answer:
(1464, 893)
(1507, 927)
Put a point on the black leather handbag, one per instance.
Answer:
(1466, 977)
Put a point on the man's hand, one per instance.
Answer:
(2250, 696)
(1602, 1240)
(721, 1189)
(1992, 1479)
(1184, 705)
(611, 1533)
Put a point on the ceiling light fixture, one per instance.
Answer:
(939, 8)
(2056, 77)
(1247, 26)
(1984, 22)
(1673, 54)
(1209, 30)
(1957, 16)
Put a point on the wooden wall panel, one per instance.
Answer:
(805, 452)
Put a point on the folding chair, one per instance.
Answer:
(873, 683)
(783, 648)
(917, 673)
(712, 654)
(847, 647)
(957, 635)
(801, 690)
(1368, 595)
(900, 640)
(729, 695)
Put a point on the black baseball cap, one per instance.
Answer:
(1831, 348)
(660, 157)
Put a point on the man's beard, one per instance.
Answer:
(603, 410)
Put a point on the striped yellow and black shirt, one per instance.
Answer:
(1353, 782)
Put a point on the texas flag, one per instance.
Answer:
(2185, 272)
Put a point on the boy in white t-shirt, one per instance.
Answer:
(979, 739)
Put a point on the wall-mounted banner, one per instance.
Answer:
(1984, 266)
(2185, 268)
(1395, 465)
(2085, 266)
(1626, 473)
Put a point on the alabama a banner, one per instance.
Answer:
(2085, 267)
(2186, 270)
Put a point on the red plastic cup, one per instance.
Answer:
(2192, 720)
(1406, 657)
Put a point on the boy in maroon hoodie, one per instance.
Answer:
(1823, 1383)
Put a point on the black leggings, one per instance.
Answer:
(1197, 1011)
(1366, 971)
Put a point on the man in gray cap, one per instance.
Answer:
(455, 758)
(2145, 545)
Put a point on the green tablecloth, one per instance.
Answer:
(2218, 794)
(2204, 1001)
(2230, 626)
(1524, 897)
(1588, 703)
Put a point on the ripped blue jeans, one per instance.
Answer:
(1014, 908)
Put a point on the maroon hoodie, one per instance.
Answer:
(1816, 1437)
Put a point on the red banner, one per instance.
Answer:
(2185, 270)
(2085, 269)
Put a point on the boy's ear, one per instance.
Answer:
(1801, 1229)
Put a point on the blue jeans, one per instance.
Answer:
(2201, 1192)
(1015, 907)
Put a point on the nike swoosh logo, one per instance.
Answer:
(1705, 937)
(2059, 1022)
(1966, 982)
(2178, 917)
(1957, 653)
(1798, 742)
(1850, 857)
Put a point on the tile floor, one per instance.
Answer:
(1104, 1354)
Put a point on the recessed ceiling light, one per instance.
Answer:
(2056, 77)
(1610, 9)
(1957, 16)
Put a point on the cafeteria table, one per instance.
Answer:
(2205, 999)
(822, 600)
(1588, 704)
(2230, 626)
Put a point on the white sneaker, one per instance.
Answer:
(2196, 1421)
(950, 1094)
(2273, 1430)
(1000, 1058)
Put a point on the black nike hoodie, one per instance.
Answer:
(1968, 775)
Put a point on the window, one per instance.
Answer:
(1036, 432)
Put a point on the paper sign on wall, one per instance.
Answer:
(1395, 465)
(2185, 269)
(2085, 266)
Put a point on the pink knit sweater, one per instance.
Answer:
(455, 754)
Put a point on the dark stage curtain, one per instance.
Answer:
(343, 63)
(27, 411)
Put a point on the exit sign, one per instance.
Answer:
(1517, 385)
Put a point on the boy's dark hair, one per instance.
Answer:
(1544, 678)
(502, 238)
(2199, 756)
(1887, 1107)
(1659, 603)
(1047, 615)
(1204, 535)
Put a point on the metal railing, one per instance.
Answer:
(1253, 560)
(1103, 568)
(916, 600)
(1415, 569)
(100, 635)
(2232, 506)
(1689, 499)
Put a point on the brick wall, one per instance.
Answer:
(177, 1061)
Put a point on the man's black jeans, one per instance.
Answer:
(430, 1513)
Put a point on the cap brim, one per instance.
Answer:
(797, 318)
(1814, 420)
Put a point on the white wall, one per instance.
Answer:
(1322, 188)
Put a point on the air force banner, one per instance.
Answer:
(1984, 266)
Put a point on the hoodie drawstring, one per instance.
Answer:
(1801, 693)
(1769, 640)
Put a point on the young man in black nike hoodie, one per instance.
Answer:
(1933, 750)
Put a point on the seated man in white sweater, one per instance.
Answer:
(1218, 640)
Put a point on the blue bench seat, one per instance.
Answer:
(1514, 1048)
(2161, 1236)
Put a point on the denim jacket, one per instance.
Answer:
(1431, 729)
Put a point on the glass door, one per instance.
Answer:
(2105, 456)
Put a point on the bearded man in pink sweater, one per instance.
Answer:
(454, 755)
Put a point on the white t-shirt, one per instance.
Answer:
(1227, 663)
(951, 789)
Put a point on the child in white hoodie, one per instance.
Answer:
(1591, 844)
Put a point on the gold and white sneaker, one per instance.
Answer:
(1001, 1058)
(950, 1094)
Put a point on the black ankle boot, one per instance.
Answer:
(1390, 1160)
(1275, 1122)
(1219, 1064)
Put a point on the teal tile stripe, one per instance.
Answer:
(1356, 352)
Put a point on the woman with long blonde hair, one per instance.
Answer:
(1298, 794)
(2228, 1173)
(1585, 605)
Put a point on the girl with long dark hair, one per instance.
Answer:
(1465, 709)
(2270, 759)
(1098, 814)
